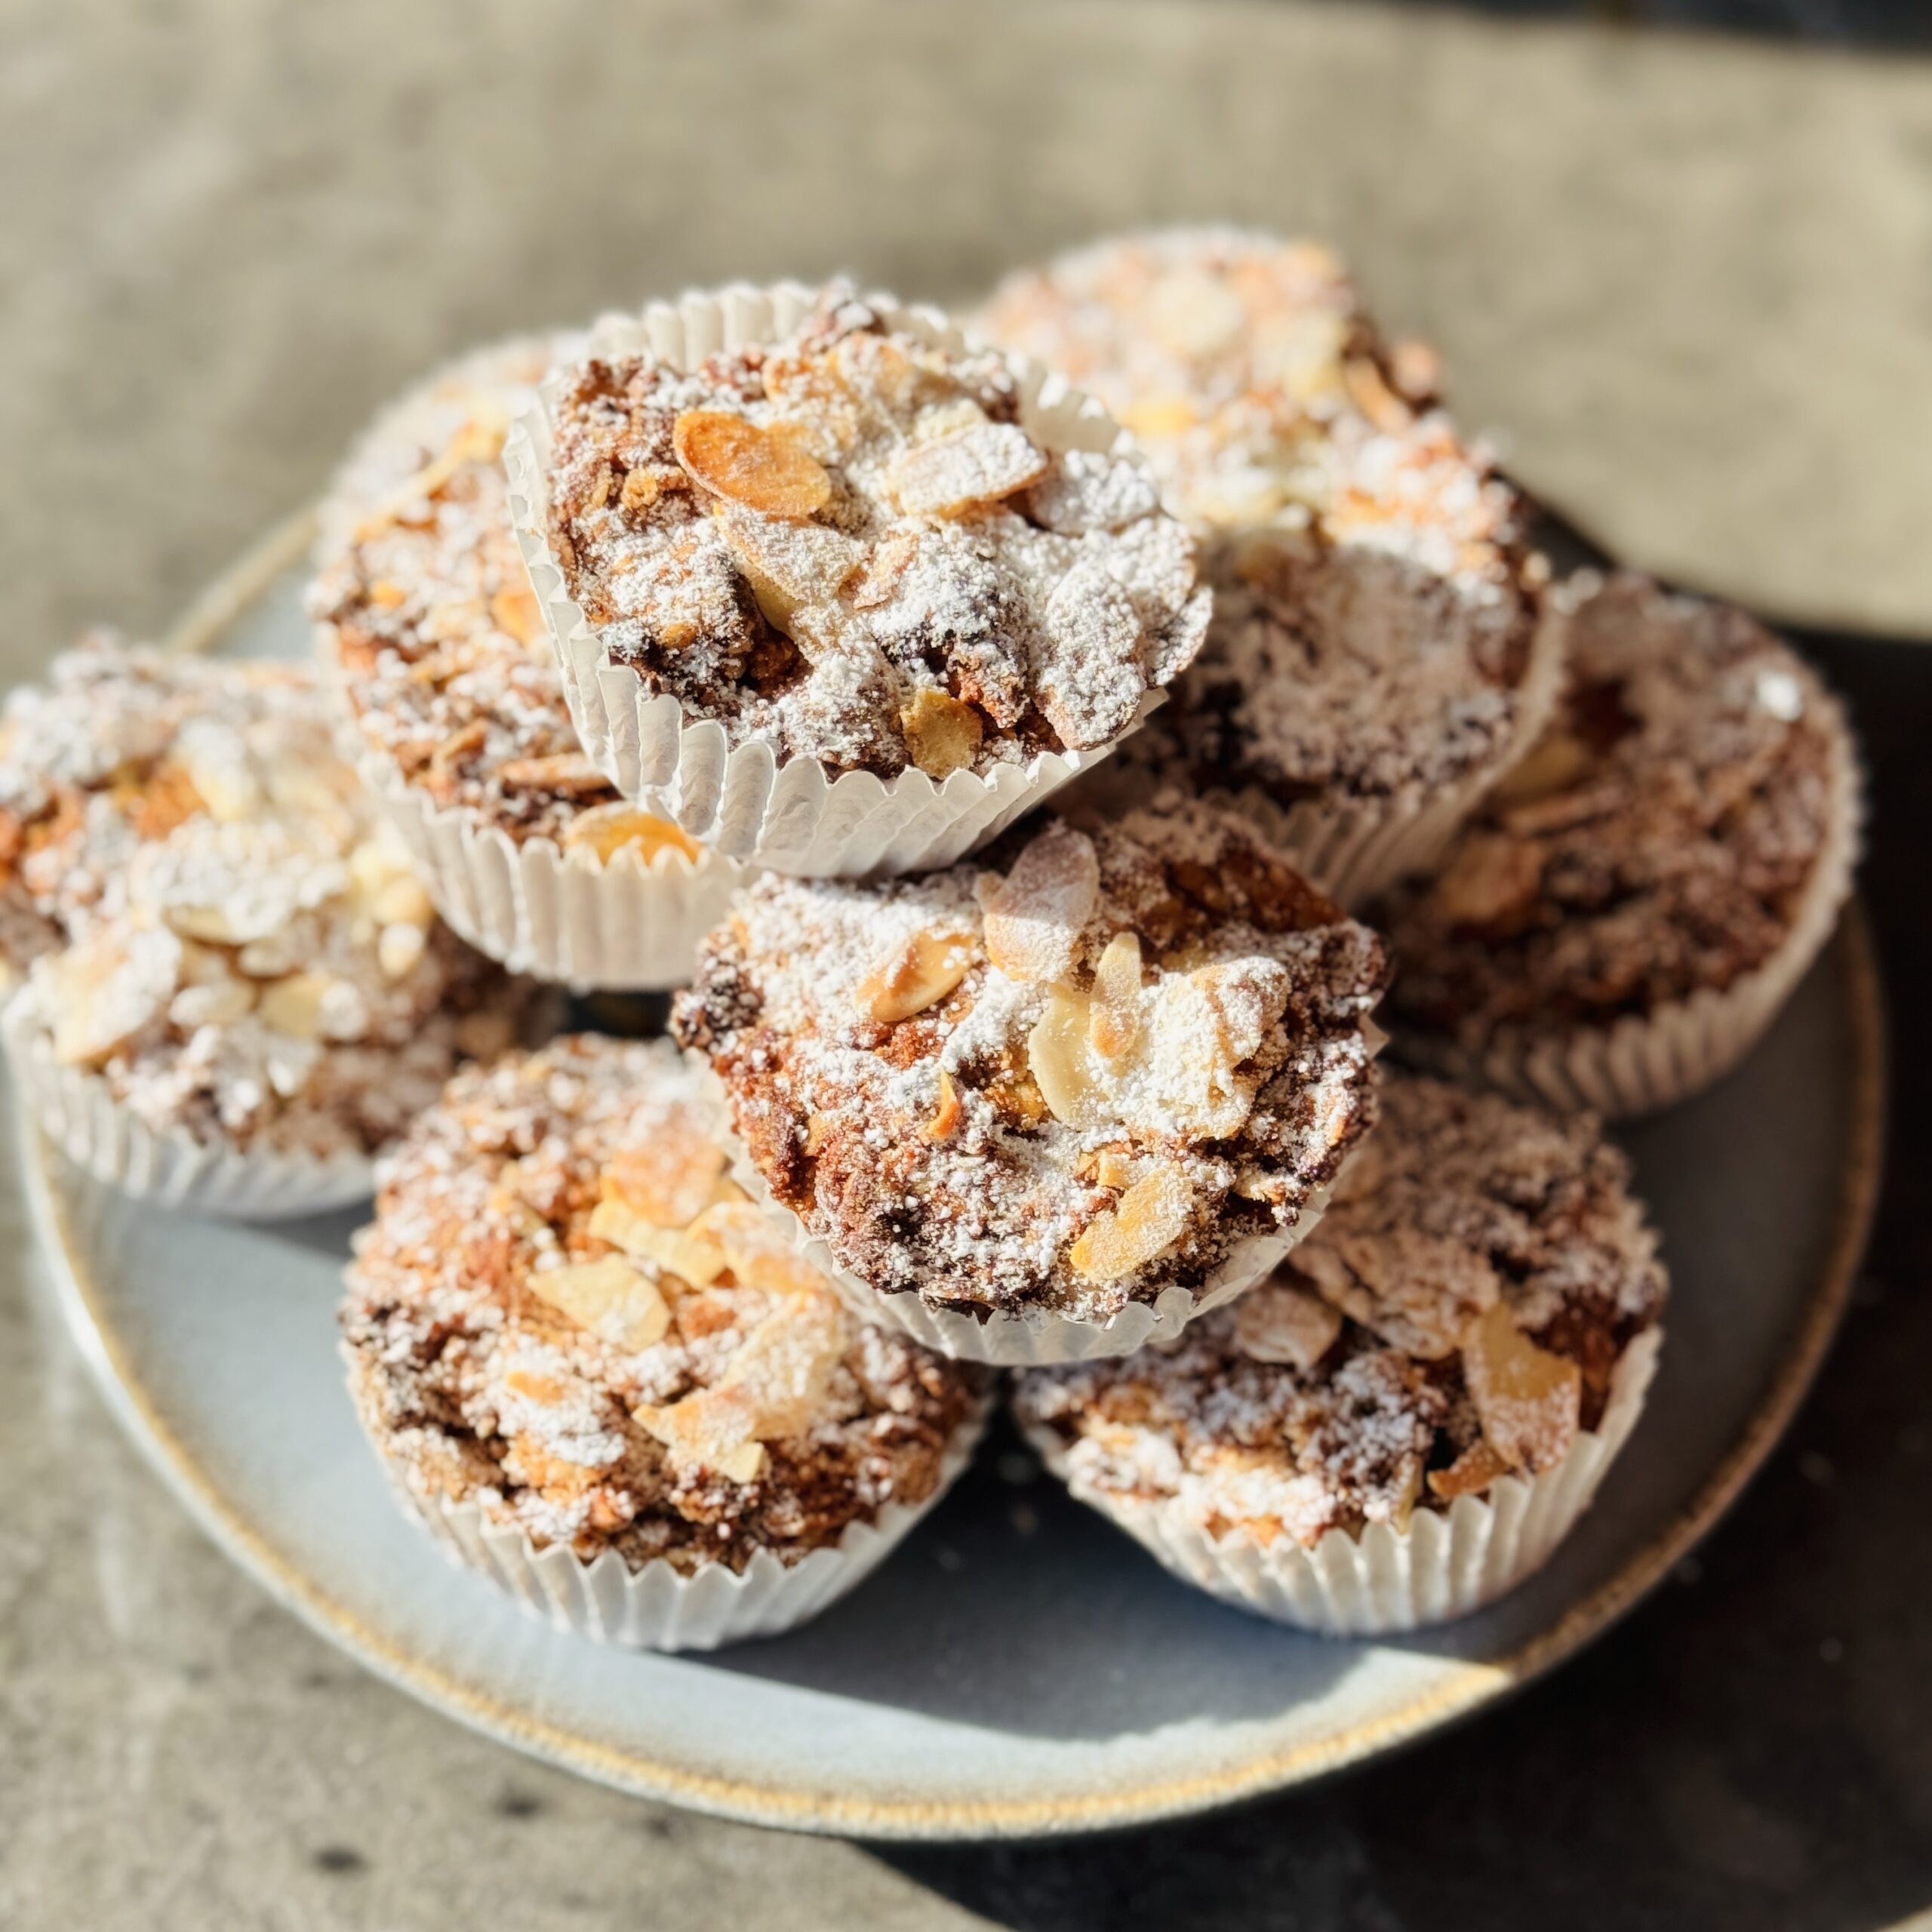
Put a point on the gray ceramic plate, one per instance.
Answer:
(1018, 1668)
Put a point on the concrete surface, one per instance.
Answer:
(1689, 283)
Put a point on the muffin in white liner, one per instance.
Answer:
(1054, 1108)
(1626, 914)
(236, 990)
(454, 708)
(836, 589)
(600, 1376)
(1409, 1419)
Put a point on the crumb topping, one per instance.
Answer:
(430, 623)
(1655, 842)
(1457, 1315)
(847, 546)
(1069, 1075)
(566, 1312)
(214, 922)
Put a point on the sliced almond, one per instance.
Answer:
(1148, 1219)
(294, 1006)
(918, 974)
(399, 949)
(515, 612)
(1491, 879)
(1554, 763)
(943, 733)
(614, 1301)
(1530, 1400)
(1035, 915)
(731, 457)
(108, 989)
(1277, 1323)
(1058, 1059)
(569, 774)
(402, 897)
(787, 564)
(946, 1116)
(710, 1429)
(608, 830)
(1471, 1473)
(787, 1361)
(1373, 397)
(668, 1177)
(1115, 1167)
(979, 464)
(1114, 1025)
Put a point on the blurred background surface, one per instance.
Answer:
(1678, 258)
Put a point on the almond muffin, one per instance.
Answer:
(224, 950)
(1055, 1103)
(1632, 904)
(426, 617)
(1477, 1312)
(1377, 655)
(571, 1338)
(854, 543)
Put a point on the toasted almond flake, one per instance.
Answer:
(1115, 1024)
(731, 457)
(108, 989)
(515, 612)
(608, 830)
(1530, 1400)
(667, 1178)
(943, 733)
(977, 465)
(546, 1391)
(614, 1301)
(1277, 1323)
(1035, 915)
(787, 563)
(404, 898)
(946, 1116)
(570, 774)
(1149, 1218)
(1114, 1167)
(399, 949)
(1471, 1473)
(917, 974)
(1156, 418)
(710, 1429)
(1373, 397)
(387, 595)
(1491, 878)
(294, 1006)
(1555, 762)
(1058, 1060)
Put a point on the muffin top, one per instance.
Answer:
(566, 1313)
(213, 921)
(852, 545)
(1068, 1075)
(1655, 842)
(1457, 1316)
(427, 620)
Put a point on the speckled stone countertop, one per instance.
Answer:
(1688, 284)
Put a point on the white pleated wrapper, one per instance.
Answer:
(1354, 848)
(1445, 1565)
(791, 817)
(106, 1139)
(569, 918)
(1040, 1337)
(1641, 1064)
(658, 1607)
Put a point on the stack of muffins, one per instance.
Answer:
(1034, 811)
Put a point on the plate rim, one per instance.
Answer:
(1471, 1687)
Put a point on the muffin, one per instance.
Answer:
(1378, 654)
(1631, 907)
(1056, 1104)
(426, 617)
(836, 590)
(235, 990)
(601, 1376)
(1405, 1421)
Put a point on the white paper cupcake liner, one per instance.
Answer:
(1445, 1565)
(624, 924)
(1039, 1337)
(106, 1139)
(792, 817)
(1642, 1063)
(1355, 848)
(660, 1607)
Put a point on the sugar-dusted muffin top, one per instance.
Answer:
(566, 1313)
(427, 622)
(1457, 1316)
(1654, 842)
(213, 921)
(848, 545)
(1067, 1075)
